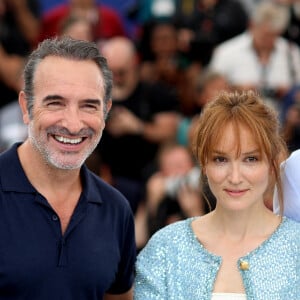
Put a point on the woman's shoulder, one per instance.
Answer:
(290, 223)
(169, 236)
(290, 228)
(174, 229)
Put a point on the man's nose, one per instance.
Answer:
(72, 120)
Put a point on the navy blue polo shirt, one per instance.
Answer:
(95, 255)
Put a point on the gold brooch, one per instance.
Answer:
(244, 265)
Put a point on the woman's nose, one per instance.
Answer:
(235, 175)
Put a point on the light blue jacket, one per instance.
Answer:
(175, 266)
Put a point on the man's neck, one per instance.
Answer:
(43, 176)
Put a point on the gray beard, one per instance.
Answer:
(51, 160)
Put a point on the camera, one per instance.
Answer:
(174, 183)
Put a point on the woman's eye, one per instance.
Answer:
(251, 159)
(219, 159)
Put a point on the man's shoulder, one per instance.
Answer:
(96, 181)
(108, 194)
(100, 185)
(12, 176)
(9, 154)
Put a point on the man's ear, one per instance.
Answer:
(108, 107)
(23, 106)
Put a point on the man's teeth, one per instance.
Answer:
(67, 140)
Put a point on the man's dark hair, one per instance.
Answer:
(65, 47)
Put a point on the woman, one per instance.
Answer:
(240, 250)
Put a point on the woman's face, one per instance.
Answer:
(238, 182)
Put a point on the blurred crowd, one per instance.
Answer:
(172, 59)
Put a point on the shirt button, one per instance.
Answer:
(244, 265)
(54, 217)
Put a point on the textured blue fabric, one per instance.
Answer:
(174, 266)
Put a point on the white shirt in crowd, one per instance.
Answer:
(237, 60)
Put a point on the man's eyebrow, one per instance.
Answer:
(52, 97)
(92, 101)
(59, 97)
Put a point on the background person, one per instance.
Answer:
(260, 58)
(172, 193)
(207, 84)
(143, 117)
(105, 21)
(77, 27)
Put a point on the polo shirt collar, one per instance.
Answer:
(13, 177)
(91, 191)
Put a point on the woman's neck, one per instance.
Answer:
(241, 225)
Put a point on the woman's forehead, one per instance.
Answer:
(235, 138)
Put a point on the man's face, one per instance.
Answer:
(123, 63)
(265, 37)
(125, 77)
(68, 113)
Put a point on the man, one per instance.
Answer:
(260, 58)
(105, 21)
(64, 233)
(144, 116)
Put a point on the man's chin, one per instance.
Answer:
(66, 164)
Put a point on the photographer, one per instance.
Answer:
(174, 191)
